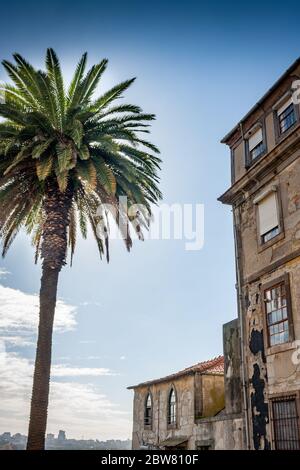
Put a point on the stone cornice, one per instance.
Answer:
(263, 167)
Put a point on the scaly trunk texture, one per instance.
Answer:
(54, 247)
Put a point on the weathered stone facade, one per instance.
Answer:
(271, 372)
(202, 419)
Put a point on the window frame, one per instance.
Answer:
(281, 234)
(248, 160)
(148, 425)
(278, 134)
(272, 349)
(283, 397)
(172, 424)
(281, 120)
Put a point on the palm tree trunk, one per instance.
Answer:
(54, 246)
(41, 380)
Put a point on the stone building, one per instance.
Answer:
(265, 199)
(186, 410)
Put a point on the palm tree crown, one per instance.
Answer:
(88, 150)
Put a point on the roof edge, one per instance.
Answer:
(188, 371)
(264, 97)
(169, 379)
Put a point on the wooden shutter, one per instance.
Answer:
(284, 106)
(268, 213)
(255, 139)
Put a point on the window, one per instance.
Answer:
(172, 411)
(148, 411)
(268, 215)
(256, 145)
(286, 116)
(278, 314)
(286, 423)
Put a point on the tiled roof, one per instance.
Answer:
(213, 366)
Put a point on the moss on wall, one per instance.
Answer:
(214, 395)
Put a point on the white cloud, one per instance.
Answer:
(80, 409)
(61, 370)
(19, 312)
(3, 272)
(122, 358)
(18, 341)
(88, 303)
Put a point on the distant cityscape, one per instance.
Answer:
(18, 442)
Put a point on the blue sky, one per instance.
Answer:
(160, 308)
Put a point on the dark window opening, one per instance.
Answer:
(255, 145)
(172, 407)
(287, 118)
(269, 223)
(277, 314)
(257, 151)
(271, 234)
(286, 423)
(148, 411)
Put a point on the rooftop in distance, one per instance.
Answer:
(213, 366)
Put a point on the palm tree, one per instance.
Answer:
(62, 155)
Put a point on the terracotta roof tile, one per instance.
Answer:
(213, 366)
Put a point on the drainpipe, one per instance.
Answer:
(238, 268)
(241, 321)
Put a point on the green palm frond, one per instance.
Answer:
(111, 95)
(44, 167)
(72, 231)
(76, 132)
(23, 87)
(105, 175)
(39, 149)
(87, 86)
(54, 72)
(21, 155)
(29, 76)
(65, 157)
(84, 153)
(77, 77)
(66, 138)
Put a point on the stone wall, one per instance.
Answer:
(220, 432)
(287, 180)
(184, 387)
(213, 394)
(232, 366)
(270, 369)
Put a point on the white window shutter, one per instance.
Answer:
(268, 213)
(255, 139)
(284, 106)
